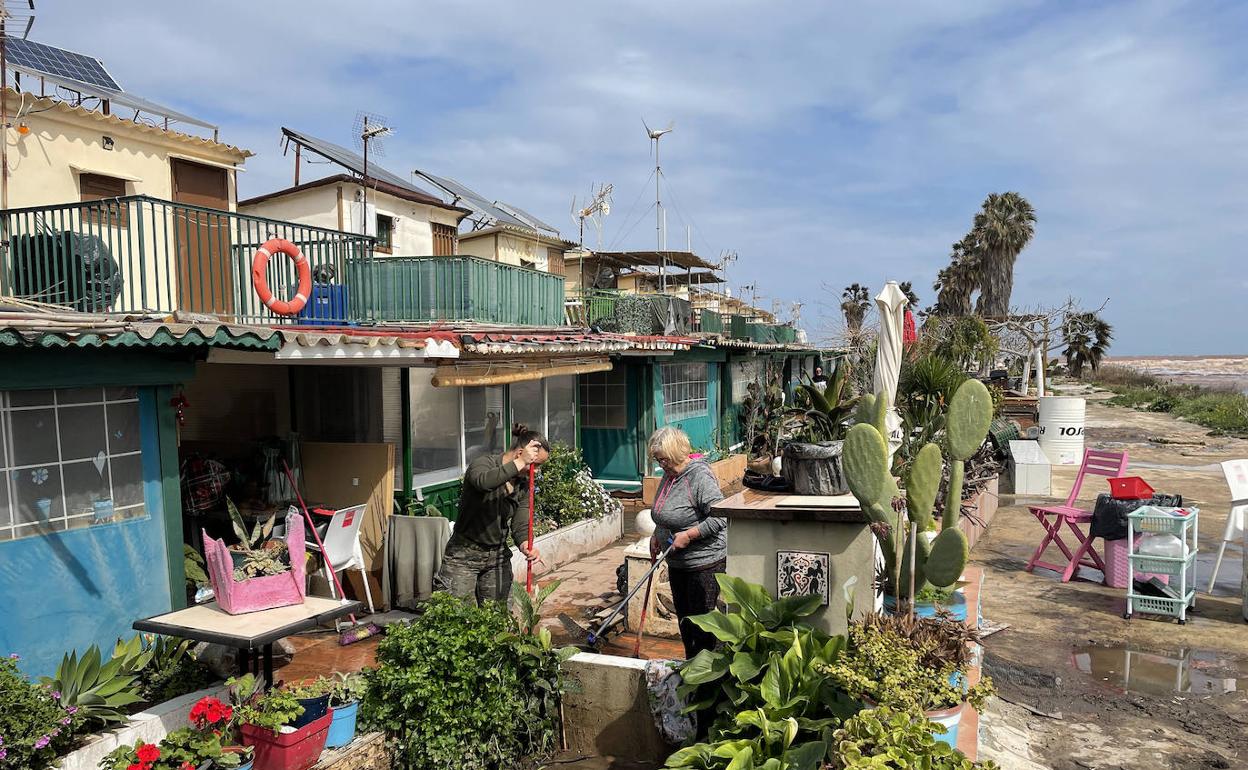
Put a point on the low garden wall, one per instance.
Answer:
(567, 544)
(367, 752)
(985, 504)
(607, 711)
(150, 726)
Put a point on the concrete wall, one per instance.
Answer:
(752, 546)
(320, 207)
(607, 713)
(41, 162)
(567, 544)
(511, 248)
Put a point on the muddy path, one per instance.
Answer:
(1081, 687)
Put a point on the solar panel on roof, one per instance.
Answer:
(468, 198)
(344, 157)
(528, 218)
(51, 60)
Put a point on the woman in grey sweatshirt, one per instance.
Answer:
(682, 514)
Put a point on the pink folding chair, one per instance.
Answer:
(1054, 517)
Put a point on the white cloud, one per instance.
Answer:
(843, 142)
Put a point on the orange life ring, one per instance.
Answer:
(260, 278)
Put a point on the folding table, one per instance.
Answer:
(253, 633)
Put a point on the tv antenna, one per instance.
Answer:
(371, 130)
(598, 207)
(795, 310)
(659, 217)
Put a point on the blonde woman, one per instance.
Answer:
(682, 514)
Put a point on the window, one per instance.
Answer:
(71, 458)
(604, 399)
(528, 404)
(484, 429)
(435, 431)
(385, 234)
(561, 409)
(684, 391)
(745, 371)
(95, 187)
(445, 238)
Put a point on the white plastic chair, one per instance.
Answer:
(1236, 472)
(342, 548)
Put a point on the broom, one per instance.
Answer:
(528, 580)
(358, 633)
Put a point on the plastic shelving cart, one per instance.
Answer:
(1181, 570)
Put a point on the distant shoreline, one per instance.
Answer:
(1218, 372)
(1220, 357)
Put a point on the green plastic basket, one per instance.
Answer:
(1156, 605)
(1161, 565)
(1153, 519)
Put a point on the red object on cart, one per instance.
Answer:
(1130, 488)
(288, 751)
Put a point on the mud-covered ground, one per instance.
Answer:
(1081, 687)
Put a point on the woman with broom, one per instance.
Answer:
(493, 504)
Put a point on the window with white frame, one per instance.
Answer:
(684, 391)
(604, 399)
(71, 458)
(744, 371)
(547, 405)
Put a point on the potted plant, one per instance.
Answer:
(313, 696)
(929, 557)
(762, 419)
(197, 747)
(346, 691)
(884, 667)
(272, 573)
(812, 461)
(265, 719)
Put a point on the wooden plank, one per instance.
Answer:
(753, 504)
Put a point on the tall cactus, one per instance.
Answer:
(938, 560)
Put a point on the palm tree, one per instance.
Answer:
(1002, 229)
(912, 298)
(855, 302)
(956, 283)
(1087, 337)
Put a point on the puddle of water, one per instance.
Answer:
(1199, 672)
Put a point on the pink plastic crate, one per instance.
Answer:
(1116, 565)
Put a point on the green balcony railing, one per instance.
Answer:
(463, 288)
(142, 254)
(591, 307)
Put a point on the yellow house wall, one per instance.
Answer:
(40, 172)
(506, 247)
(318, 207)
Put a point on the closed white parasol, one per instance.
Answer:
(892, 304)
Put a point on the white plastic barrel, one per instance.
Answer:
(1061, 428)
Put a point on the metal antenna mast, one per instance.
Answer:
(659, 218)
(369, 129)
(598, 207)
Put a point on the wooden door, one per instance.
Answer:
(205, 262)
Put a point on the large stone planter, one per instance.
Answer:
(567, 544)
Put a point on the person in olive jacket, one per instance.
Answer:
(493, 505)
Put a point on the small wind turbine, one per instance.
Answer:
(660, 235)
(370, 130)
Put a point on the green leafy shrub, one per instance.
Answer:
(567, 492)
(1222, 411)
(767, 676)
(35, 726)
(101, 690)
(880, 666)
(462, 686)
(883, 738)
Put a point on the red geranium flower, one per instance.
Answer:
(134, 766)
(148, 753)
(209, 711)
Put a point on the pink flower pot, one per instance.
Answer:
(259, 593)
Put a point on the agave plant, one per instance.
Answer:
(262, 556)
(829, 409)
(100, 690)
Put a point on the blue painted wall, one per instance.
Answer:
(67, 590)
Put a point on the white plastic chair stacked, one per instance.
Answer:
(1236, 472)
(342, 548)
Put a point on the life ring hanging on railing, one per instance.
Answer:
(260, 277)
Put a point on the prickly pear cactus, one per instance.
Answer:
(941, 560)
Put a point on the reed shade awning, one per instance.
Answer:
(504, 372)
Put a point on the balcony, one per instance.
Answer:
(138, 254)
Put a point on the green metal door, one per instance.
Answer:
(613, 422)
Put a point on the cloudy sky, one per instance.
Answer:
(825, 143)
